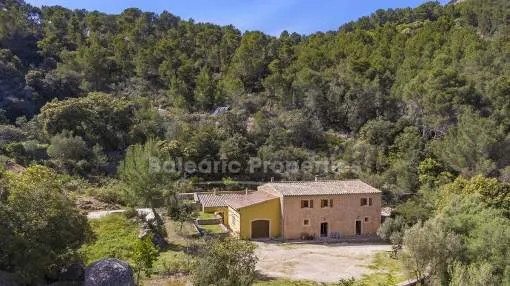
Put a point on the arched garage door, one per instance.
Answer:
(260, 229)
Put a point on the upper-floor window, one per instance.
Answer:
(366, 202)
(327, 203)
(306, 204)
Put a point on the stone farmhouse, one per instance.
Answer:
(299, 210)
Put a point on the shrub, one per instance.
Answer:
(228, 262)
(66, 146)
(113, 192)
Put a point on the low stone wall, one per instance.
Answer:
(186, 196)
(412, 282)
(197, 233)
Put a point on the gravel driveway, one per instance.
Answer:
(316, 262)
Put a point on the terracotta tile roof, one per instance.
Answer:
(249, 199)
(214, 200)
(322, 188)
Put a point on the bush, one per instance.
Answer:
(113, 192)
(9, 133)
(65, 146)
(393, 230)
(228, 262)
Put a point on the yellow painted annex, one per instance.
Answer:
(251, 222)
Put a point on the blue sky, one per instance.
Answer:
(269, 16)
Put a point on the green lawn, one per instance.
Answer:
(212, 229)
(202, 215)
(115, 236)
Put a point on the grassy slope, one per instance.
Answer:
(116, 237)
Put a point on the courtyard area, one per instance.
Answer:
(317, 262)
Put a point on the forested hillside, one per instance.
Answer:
(383, 93)
(415, 102)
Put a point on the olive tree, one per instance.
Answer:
(227, 262)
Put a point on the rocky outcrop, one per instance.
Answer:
(109, 272)
(92, 204)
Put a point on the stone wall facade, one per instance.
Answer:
(341, 217)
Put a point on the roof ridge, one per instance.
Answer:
(323, 187)
(318, 181)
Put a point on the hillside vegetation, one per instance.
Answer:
(415, 102)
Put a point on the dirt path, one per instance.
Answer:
(316, 262)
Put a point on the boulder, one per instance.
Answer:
(109, 272)
(6, 279)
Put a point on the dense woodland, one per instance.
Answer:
(415, 102)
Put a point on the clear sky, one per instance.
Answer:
(269, 16)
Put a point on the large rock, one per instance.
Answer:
(109, 272)
(6, 279)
